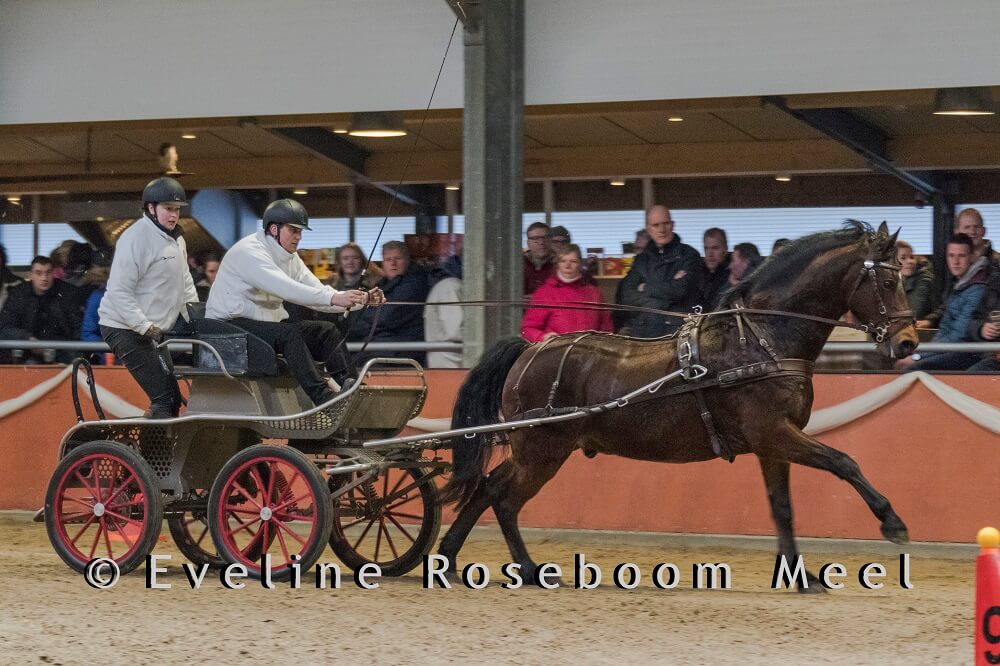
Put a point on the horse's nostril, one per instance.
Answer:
(906, 347)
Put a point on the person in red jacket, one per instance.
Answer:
(568, 283)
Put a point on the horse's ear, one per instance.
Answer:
(892, 239)
(883, 229)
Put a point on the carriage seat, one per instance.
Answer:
(244, 354)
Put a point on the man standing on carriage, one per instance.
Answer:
(259, 273)
(666, 276)
(147, 291)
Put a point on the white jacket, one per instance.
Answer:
(150, 281)
(443, 323)
(257, 275)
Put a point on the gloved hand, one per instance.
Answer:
(154, 333)
(376, 296)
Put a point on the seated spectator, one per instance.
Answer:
(538, 258)
(961, 301)
(443, 323)
(7, 277)
(351, 261)
(209, 269)
(403, 281)
(568, 284)
(97, 279)
(666, 276)
(715, 275)
(43, 308)
(559, 238)
(780, 243)
(985, 323)
(743, 262)
(60, 259)
(641, 241)
(918, 283)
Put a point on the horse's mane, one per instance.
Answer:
(793, 258)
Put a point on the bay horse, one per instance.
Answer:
(763, 413)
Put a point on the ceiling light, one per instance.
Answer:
(377, 125)
(963, 102)
(454, 187)
(675, 119)
(99, 218)
(783, 178)
(616, 182)
(340, 130)
(14, 198)
(300, 191)
(189, 135)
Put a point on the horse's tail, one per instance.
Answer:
(478, 403)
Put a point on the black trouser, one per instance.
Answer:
(300, 342)
(151, 368)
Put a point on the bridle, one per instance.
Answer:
(878, 330)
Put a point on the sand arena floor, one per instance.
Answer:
(51, 616)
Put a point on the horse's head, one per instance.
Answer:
(877, 298)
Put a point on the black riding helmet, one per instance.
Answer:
(286, 211)
(164, 190)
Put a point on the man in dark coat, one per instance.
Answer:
(43, 308)
(403, 281)
(715, 276)
(666, 276)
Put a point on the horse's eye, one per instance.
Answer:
(889, 284)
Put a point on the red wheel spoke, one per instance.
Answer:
(388, 540)
(236, 508)
(294, 517)
(385, 484)
(254, 541)
(204, 531)
(135, 501)
(97, 539)
(400, 527)
(244, 526)
(71, 517)
(405, 501)
(362, 537)
(240, 488)
(306, 495)
(84, 528)
(264, 491)
(121, 486)
(291, 532)
(352, 523)
(403, 515)
(93, 492)
(284, 548)
(265, 543)
(107, 539)
(114, 514)
(402, 477)
(90, 507)
(378, 537)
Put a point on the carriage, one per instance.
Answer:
(230, 494)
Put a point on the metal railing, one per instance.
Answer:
(74, 345)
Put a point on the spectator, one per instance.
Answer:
(351, 262)
(964, 296)
(715, 275)
(918, 282)
(985, 323)
(97, 279)
(443, 323)
(538, 259)
(209, 269)
(60, 259)
(559, 238)
(743, 262)
(403, 281)
(970, 222)
(43, 308)
(566, 285)
(780, 243)
(666, 276)
(641, 241)
(7, 278)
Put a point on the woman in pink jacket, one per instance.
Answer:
(567, 284)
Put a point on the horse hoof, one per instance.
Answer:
(896, 534)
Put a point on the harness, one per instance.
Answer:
(696, 376)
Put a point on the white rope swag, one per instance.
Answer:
(982, 414)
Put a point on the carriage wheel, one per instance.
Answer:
(392, 520)
(270, 500)
(103, 501)
(191, 534)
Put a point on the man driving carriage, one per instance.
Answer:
(260, 272)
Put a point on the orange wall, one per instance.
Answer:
(939, 469)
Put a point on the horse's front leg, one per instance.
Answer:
(802, 449)
(776, 479)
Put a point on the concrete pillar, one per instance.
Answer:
(493, 194)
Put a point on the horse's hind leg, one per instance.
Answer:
(513, 486)
(804, 450)
(467, 517)
(776, 479)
